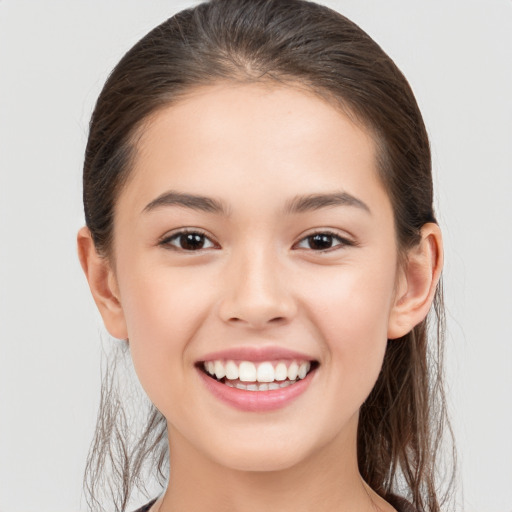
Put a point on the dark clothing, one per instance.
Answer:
(400, 504)
(145, 508)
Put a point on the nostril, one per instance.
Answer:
(273, 321)
(257, 311)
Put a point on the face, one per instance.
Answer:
(255, 238)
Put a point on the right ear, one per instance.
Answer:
(103, 285)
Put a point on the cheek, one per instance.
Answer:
(351, 308)
(163, 310)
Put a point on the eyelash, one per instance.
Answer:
(343, 242)
(167, 241)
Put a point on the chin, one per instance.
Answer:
(261, 460)
(265, 451)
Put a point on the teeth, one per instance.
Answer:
(259, 387)
(304, 369)
(247, 371)
(259, 377)
(219, 370)
(281, 372)
(265, 372)
(293, 371)
(231, 370)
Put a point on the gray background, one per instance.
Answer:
(54, 58)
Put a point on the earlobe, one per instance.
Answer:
(417, 282)
(103, 284)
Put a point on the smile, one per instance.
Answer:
(257, 386)
(263, 376)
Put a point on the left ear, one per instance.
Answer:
(417, 282)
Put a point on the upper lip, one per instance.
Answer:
(256, 354)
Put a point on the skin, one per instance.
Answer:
(259, 281)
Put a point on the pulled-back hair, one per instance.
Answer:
(297, 43)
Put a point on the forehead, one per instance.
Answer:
(211, 111)
(222, 136)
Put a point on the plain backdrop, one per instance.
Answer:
(54, 58)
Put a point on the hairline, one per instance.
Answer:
(187, 92)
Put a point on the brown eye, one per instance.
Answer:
(322, 242)
(189, 241)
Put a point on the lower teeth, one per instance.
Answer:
(260, 386)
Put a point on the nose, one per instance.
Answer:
(256, 292)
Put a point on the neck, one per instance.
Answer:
(325, 481)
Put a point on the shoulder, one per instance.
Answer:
(400, 504)
(146, 507)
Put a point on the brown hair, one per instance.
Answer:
(291, 42)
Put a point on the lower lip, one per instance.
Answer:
(256, 401)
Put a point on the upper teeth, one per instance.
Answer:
(266, 371)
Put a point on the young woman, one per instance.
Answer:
(260, 230)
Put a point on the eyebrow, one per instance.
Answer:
(301, 204)
(298, 204)
(194, 202)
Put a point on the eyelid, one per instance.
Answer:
(165, 240)
(345, 241)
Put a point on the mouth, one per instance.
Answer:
(262, 376)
